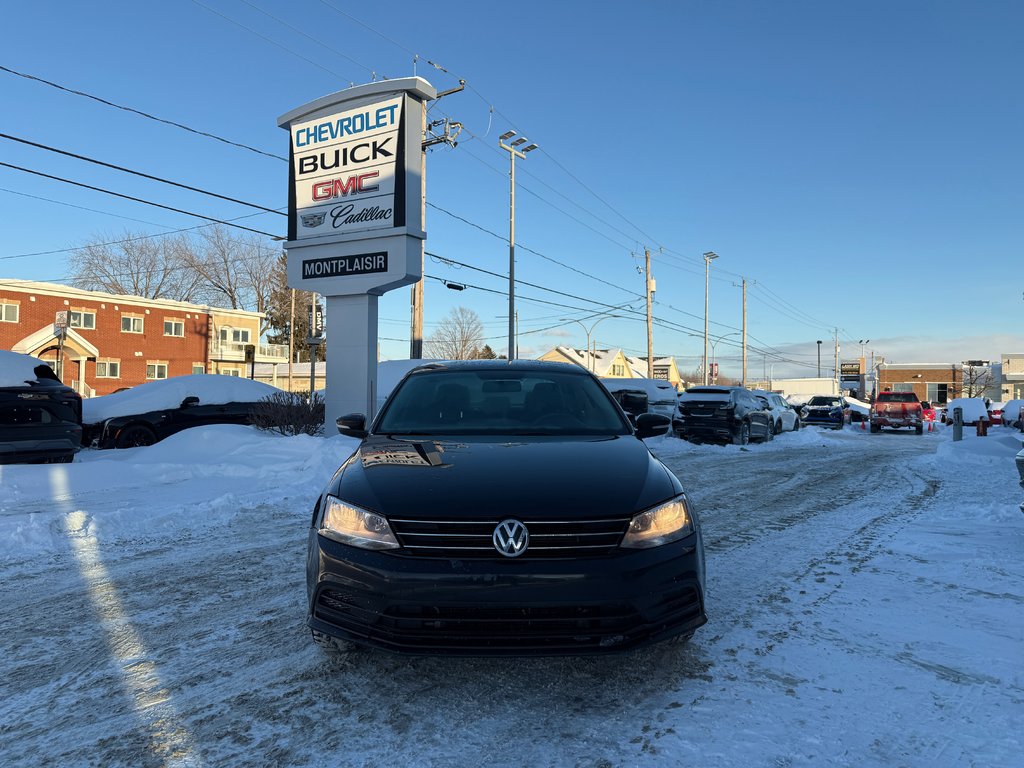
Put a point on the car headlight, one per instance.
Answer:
(666, 522)
(357, 527)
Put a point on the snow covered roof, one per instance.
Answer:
(599, 362)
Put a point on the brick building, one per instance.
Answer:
(120, 341)
(935, 382)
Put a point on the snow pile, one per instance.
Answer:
(998, 448)
(17, 369)
(211, 389)
(192, 480)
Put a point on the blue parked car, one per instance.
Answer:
(826, 411)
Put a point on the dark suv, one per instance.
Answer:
(724, 415)
(40, 418)
(508, 508)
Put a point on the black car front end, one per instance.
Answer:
(504, 509)
(464, 601)
(832, 417)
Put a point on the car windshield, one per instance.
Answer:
(831, 401)
(500, 402)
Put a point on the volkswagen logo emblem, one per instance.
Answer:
(511, 538)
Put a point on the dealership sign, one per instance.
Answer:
(355, 221)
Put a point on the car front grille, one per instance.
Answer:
(472, 539)
(503, 628)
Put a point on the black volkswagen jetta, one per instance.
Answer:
(508, 508)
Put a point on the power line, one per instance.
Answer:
(140, 200)
(72, 205)
(121, 168)
(139, 112)
(115, 242)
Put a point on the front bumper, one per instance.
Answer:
(826, 421)
(505, 607)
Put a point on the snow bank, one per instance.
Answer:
(17, 369)
(168, 393)
(998, 448)
(859, 406)
(188, 482)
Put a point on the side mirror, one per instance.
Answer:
(190, 401)
(352, 425)
(652, 425)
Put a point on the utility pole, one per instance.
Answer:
(744, 332)
(835, 373)
(416, 290)
(650, 331)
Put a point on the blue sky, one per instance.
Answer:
(860, 164)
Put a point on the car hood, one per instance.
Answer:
(485, 477)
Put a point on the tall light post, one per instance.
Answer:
(819, 358)
(588, 331)
(513, 153)
(707, 269)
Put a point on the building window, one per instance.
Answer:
(231, 372)
(198, 368)
(236, 335)
(156, 370)
(108, 369)
(174, 328)
(617, 370)
(8, 313)
(131, 324)
(902, 386)
(80, 318)
(938, 393)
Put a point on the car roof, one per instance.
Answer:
(500, 365)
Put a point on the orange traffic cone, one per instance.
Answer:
(930, 427)
(862, 425)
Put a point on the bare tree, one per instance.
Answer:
(458, 336)
(137, 265)
(977, 379)
(237, 271)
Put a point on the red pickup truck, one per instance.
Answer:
(897, 409)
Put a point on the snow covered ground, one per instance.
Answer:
(864, 593)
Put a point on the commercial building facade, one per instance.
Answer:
(937, 383)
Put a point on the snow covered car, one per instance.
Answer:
(150, 412)
(973, 410)
(825, 411)
(40, 418)
(660, 394)
(1013, 411)
(787, 419)
(503, 508)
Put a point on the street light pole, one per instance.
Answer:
(590, 361)
(819, 358)
(714, 347)
(513, 153)
(707, 265)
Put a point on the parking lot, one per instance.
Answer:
(154, 615)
